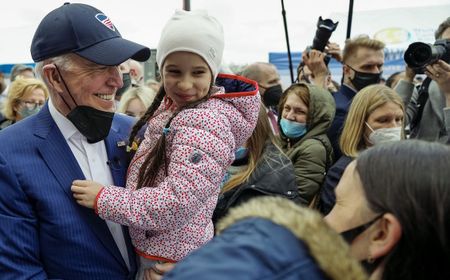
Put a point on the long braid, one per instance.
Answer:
(158, 156)
(148, 114)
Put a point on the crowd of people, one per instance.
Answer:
(210, 175)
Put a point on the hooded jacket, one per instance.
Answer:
(271, 238)
(173, 217)
(273, 175)
(312, 154)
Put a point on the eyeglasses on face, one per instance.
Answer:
(32, 104)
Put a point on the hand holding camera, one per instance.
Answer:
(314, 60)
(334, 50)
(440, 73)
(418, 55)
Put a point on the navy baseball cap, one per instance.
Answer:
(86, 31)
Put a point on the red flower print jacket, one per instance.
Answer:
(173, 217)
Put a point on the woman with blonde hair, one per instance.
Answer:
(260, 168)
(136, 100)
(376, 116)
(25, 98)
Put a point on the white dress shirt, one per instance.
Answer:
(92, 159)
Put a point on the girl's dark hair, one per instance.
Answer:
(157, 156)
(409, 179)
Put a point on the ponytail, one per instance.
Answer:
(144, 119)
(158, 156)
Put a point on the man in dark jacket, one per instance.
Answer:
(363, 60)
(45, 234)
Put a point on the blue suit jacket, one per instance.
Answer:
(43, 232)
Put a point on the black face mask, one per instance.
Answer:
(362, 79)
(92, 123)
(350, 235)
(126, 84)
(272, 95)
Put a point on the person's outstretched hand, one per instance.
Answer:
(157, 273)
(85, 192)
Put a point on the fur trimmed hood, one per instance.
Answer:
(328, 249)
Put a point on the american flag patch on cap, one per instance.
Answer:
(106, 21)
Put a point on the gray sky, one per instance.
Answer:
(252, 27)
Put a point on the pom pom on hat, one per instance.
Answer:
(195, 32)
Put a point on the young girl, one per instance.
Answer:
(194, 128)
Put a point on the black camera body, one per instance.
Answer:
(418, 55)
(325, 27)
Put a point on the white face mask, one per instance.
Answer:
(383, 135)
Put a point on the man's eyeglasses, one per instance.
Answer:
(31, 104)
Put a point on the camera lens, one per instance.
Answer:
(419, 55)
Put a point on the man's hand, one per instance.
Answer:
(334, 50)
(158, 271)
(440, 73)
(409, 74)
(314, 59)
(85, 192)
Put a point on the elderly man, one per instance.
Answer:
(268, 79)
(44, 233)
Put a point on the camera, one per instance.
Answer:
(418, 55)
(325, 28)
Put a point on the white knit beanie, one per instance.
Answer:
(192, 31)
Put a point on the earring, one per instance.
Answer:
(370, 259)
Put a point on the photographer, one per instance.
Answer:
(428, 109)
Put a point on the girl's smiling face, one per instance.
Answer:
(186, 78)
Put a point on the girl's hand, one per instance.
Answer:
(85, 192)
(157, 272)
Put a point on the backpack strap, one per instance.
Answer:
(420, 103)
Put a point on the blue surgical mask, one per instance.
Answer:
(292, 129)
(25, 112)
(240, 153)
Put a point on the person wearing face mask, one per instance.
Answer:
(392, 209)
(26, 97)
(126, 80)
(376, 116)
(268, 79)
(362, 60)
(428, 105)
(45, 234)
(271, 238)
(260, 168)
(306, 112)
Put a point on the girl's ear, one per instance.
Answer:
(387, 234)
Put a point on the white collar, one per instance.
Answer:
(66, 127)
